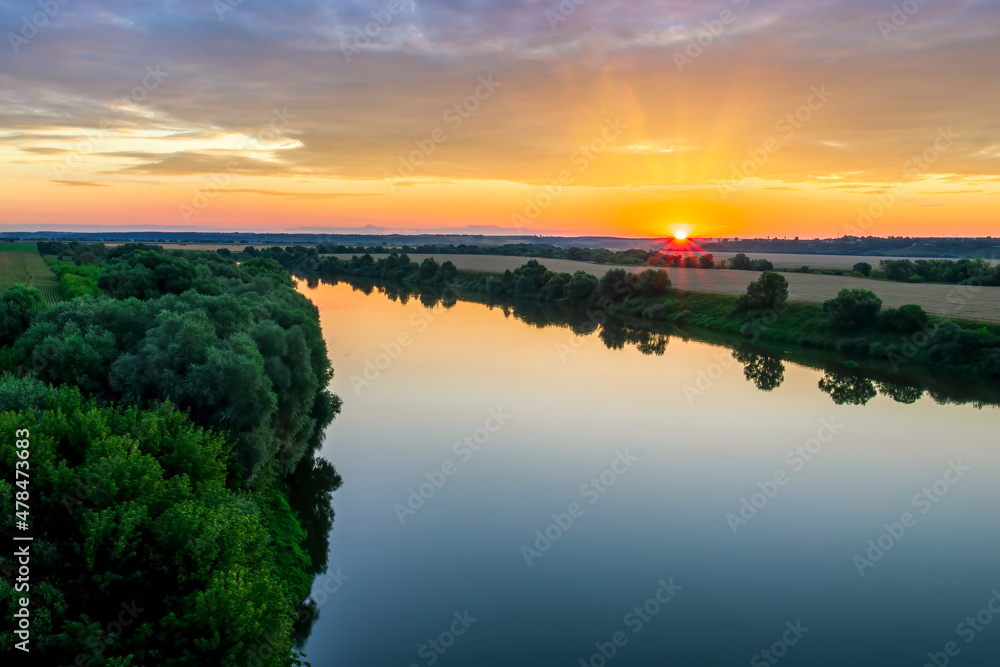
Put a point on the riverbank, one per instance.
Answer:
(952, 301)
(902, 342)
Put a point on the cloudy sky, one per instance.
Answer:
(727, 118)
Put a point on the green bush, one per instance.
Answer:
(769, 291)
(905, 319)
(853, 309)
(863, 268)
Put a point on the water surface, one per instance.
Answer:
(665, 523)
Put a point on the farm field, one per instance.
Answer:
(26, 267)
(832, 262)
(942, 300)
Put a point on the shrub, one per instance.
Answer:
(768, 291)
(864, 268)
(905, 319)
(853, 309)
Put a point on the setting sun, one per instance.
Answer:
(681, 233)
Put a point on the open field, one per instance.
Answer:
(831, 262)
(18, 247)
(944, 300)
(28, 268)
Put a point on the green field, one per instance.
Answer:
(20, 264)
(18, 247)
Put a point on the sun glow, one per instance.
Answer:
(681, 233)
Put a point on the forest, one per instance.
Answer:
(176, 402)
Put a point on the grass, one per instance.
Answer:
(18, 247)
(24, 266)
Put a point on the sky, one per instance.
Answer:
(728, 118)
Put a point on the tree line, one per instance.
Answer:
(852, 323)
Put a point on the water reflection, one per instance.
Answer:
(766, 373)
(844, 382)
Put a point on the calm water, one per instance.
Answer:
(650, 472)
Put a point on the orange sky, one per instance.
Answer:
(790, 121)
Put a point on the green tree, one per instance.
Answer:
(905, 319)
(864, 268)
(741, 262)
(614, 284)
(18, 305)
(770, 291)
(853, 309)
(581, 286)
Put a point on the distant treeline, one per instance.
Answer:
(961, 272)
(986, 247)
(922, 270)
(853, 323)
(633, 257)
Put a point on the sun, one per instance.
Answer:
(681, 232)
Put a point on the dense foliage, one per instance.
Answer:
(741, 262)
(176, 403)
(131, 511)
(18, 305)
(962, 271)
(853, 309)
(234, 344)
(631, 257)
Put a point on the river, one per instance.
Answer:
(524, 496)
